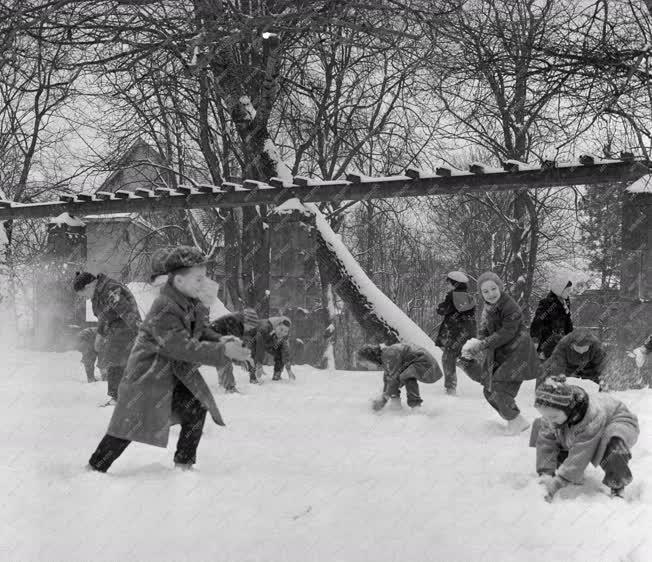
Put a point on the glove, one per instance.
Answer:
(379, 403)
(234, 349)
(552, 485)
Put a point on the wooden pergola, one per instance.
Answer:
(513, 176)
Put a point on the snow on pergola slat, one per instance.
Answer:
(414, 183)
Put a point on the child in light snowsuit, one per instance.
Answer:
(552, 319)
(117, 324)
(458, 326)
(162, 384)
(504, 355)
(403, 365)
(578, 429)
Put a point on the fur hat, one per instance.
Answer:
(457, 277)
(168, 260)
(490, 276)
(82, 278)
(582, 336)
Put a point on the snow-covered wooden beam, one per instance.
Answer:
(356, 187)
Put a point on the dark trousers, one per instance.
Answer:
(501, 395)
(114, 376)
(392, 388)
(190, 412)
(449, 360)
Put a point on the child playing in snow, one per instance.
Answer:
(162, 384)
(271, 336)
(504, 355)
(577, 429)
(458, 326)
(403, 365)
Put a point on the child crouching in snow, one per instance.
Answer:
(162, 385)
(403, 365)
(577, 429)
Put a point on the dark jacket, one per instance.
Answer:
(117, 320)
(167, 352)
(265, 341)
(511, 355)
(565, 360)
(402, 361)
(552, 321)
(458, 310)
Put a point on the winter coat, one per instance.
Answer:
(458, 310)
(117, 320)
(565, 360)
(167, 352)
(552, 321)
(586, 441)
(402, 361)
(511, 355)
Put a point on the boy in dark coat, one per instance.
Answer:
(577, 430)
(117, 323)
(458, 326)
(504, 355)
(552, 319)
(271, 336)
(162, 384)
(579, 354)
(402, 365)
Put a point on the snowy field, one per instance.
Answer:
(303, 471)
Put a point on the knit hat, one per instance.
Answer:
(559, 284)
(82, 278)
(490, 276)
(554, 393)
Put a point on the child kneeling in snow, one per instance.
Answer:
(403, 365)
(577, 429)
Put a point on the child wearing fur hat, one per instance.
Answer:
(578, 429)
(503, 356)
(552, 319)
(458, 326)
(402, 365)
(162, 384)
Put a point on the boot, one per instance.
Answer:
(185, 467)
(451, 391)
(277, 376)
(517, 425)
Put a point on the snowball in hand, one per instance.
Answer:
(235, 349)
(471, 348)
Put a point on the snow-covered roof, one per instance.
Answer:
(642, 185)
(65, 218)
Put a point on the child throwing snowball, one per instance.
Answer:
(162, 385)
(577, 429)
(403, 365)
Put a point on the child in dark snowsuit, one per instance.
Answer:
(271, 336)
(577, 430)
(242, 325)
(579, 354)
(117, 324)
(504, 355)
(552, 319)
(458, 310)
(403, 365)
(162, 384)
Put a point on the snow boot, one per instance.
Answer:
(184, 467)
(109, 402)
(618, 492)
(517, 425)
(276, 377)
(231, 390)
(451, 391)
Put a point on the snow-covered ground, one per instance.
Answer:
(303, 472)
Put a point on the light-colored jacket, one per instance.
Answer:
(606, 417)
